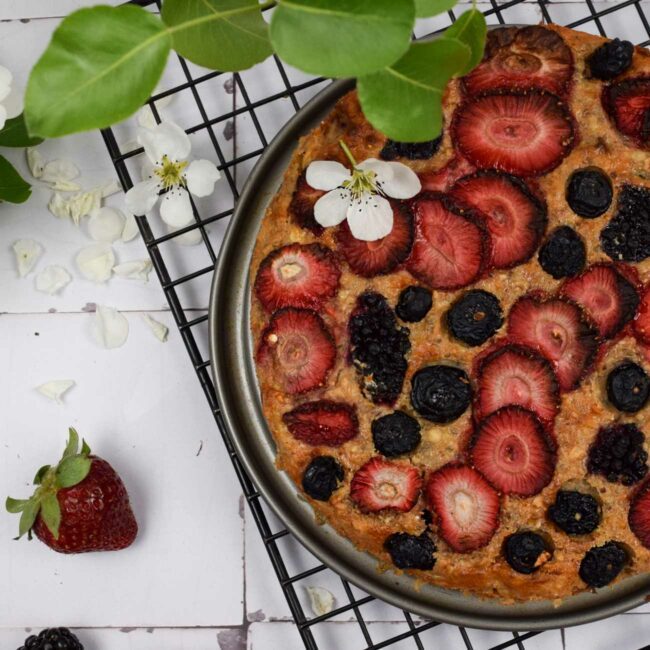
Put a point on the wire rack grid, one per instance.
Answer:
(234, 165)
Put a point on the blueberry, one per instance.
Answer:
(628, 387)
(440, 393)
(576, 513)
(396, 434)
(475, 317)
(525, 552)
(322, 477)
(411, 552)
(563, 255)
(610, 59)
(589, 193)
(414, 304)
(601, 564)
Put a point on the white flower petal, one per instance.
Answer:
(59, 206)
(321, 600)
(52, 279)
(165, 139)
(332, 207)
(13, 102)
(110, 329)
(35, 162)
(146, 169)
(160, 331)
(85, 204)
(176, 209)
(370, 218)
(142, 196)
(326, 174)
(189, 238)
(134, 270)
(201, 175)
(106, 224)
(27, 253)
(130, 230)
(65, 186)
(404, 184)
(146, 118)
(3, 116)
(383, 171)
(55, 390)
(59, 170)
(110, 187)
(96, 262)
(5, 82)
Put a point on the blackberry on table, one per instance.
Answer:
(378, 348)
(576, 513)
(628, 387)
(55, 638)
(627, 236)
(526, 552)
(617, 454)
(410, 551)
(322, 476)
(411, 150)
(475, 317)
(396, 434)
(589, 193)
(601, 564)
(440, 393)
(414, 304)
(563, 255)
(610, 59)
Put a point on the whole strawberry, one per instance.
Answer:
(80, 505)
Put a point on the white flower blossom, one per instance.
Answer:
(167, 148)
(360, 195)
(27, 252)
(52, 279)
(11, 97)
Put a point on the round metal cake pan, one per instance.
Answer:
(238, 395)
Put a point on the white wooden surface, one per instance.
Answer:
(198, 577)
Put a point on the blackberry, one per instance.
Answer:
(628, 387)
(378, 348)
(617, 454)
(396, 434)
(627, 236)
(475, 317)
(440, 393)
(414, 304)
(411, 150)
(322, 477)
(55, 638)
(563, 255)
(411, 552)
(574, 512)
(589, 193)
(526, 552)
(601, 564)
(610, 59)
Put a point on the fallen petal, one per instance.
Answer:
(109, 188)
(65, 186)
(59, 170)
(131, 230)
(160, 331)
(96, 262)
(55, 390)
(35, 162)
(110, 329)
(27, 253)
(59, 206)
(106, 224)
(52, 279)
(321, 600)
(135, 270)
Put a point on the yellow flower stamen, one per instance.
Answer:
(170, 172)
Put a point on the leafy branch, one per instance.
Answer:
(103, 62)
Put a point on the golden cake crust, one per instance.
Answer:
(483, 572)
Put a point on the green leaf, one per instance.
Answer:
(73, 443)
(14, 134)
(51, 513)
(40, 475)
(27, 519)
(100, 66)
(12, 187)
(340, 38)
(72, 470)
(471, 29)
(15, 506)
(85, 449)
(424, 8)
(219, 34)
(414, 85)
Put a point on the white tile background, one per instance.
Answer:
(198, 577)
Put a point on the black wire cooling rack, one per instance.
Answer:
(193, 329)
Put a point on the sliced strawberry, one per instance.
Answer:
(628, 104)
(382, 484)
(302, 203)
(522, 133)
(371, 258)
(443, 179)
(466, 505)
(297, 349)
(515, 218)
(642, 321)
(513, 451)
(639, 514)
(297, 275)
(514, 374)
(520, 59)
(558, 330)
(451, 245)
(323, 422)
(605, 295)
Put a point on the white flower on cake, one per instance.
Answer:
(11, 97)
(360, 195)
(167, 148)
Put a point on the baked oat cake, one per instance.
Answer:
(466, 396)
